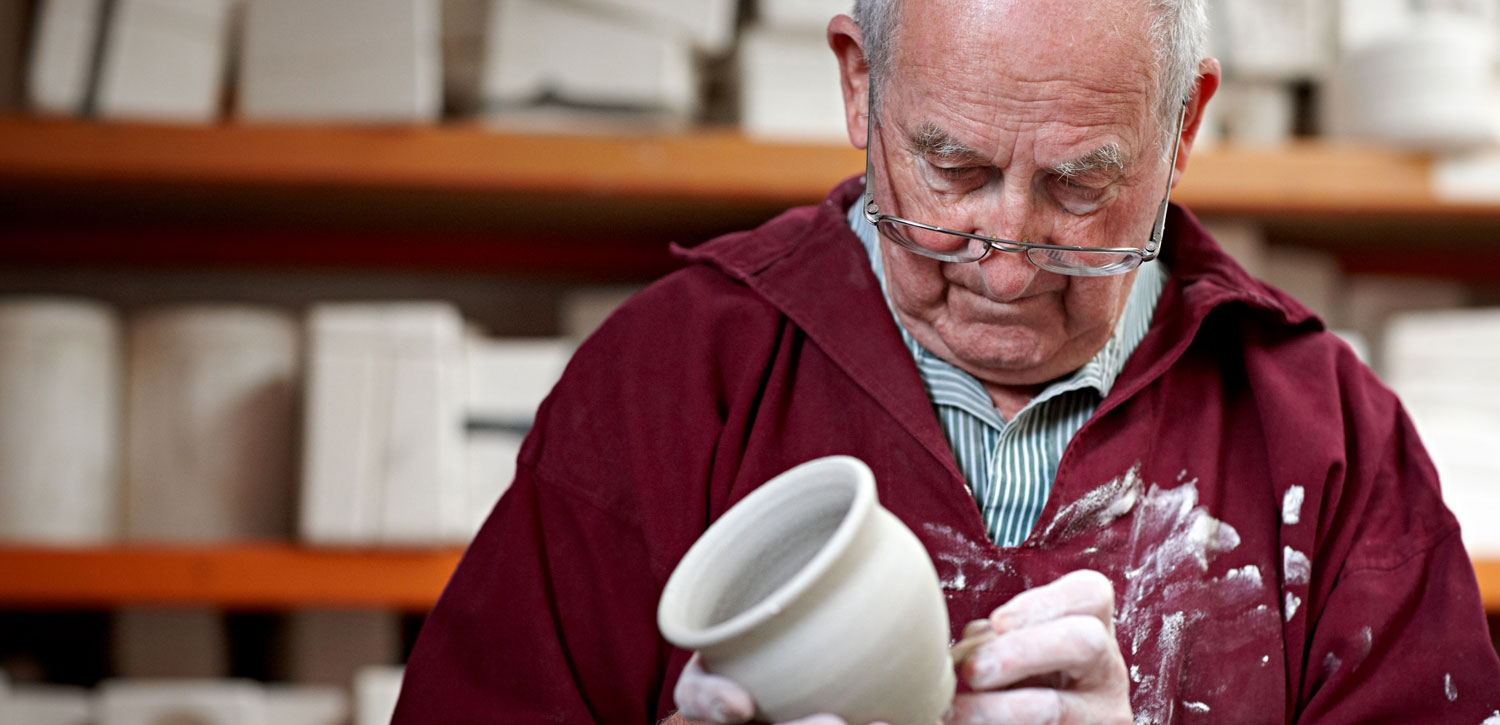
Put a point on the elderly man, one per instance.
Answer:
(1169, 492)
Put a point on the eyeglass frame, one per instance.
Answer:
(1140, 254)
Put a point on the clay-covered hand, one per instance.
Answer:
(704, 697)
(1050, 657)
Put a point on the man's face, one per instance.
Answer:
(1031, 121)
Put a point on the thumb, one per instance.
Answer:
(712, 698)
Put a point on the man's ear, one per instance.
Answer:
(1209, 76)
(847, 42)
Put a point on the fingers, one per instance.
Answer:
(704, 696)
(1056, 646)
(818, 720)
(1082, 592)
(976, 634)
(707, 697)
(1018, 706)
(1078, 647)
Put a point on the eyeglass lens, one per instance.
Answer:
(954, 248)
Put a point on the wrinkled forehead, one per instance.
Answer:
(1011, 54)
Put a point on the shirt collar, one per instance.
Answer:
(961, 390)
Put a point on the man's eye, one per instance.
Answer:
(955, 174)
(1077, 197)
(1075, 189)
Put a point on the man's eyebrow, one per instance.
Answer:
(1105, 158)
(929, 140)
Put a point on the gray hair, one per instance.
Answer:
(1178, 32)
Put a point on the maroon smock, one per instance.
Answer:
(1273, 528)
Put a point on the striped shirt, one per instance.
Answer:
(1010, 465)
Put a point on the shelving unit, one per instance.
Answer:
(468, 198)
(717, 166)
(274, 576)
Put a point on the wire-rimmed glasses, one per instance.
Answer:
(950, 245)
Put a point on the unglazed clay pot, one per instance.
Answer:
(816, 599)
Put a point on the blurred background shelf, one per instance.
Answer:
(232, 576)
(708, 165)
(274, 576)
(1488, 573)
(467, 197)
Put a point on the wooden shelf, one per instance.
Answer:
(248, 576)
(707, 164)
(467, 198)
(715, 165)
(1488, 573)
(274, 576)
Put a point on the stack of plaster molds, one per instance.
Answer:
(60, 378)
(1442, 363)
(412, 426)
(637, 58)
(383, 447)
(217, 702)
(133, 59)
(788, 77)
(165, 60)
(212, 415)
(45, 704)
(348, 60)
(507, 380)
(64, 44)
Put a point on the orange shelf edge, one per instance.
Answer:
(1487, 571)
(707, 164)
(249, 576)
(279, 576)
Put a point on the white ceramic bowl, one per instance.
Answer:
(816, 599)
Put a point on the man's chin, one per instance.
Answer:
(1006, 366)
(1003, 354)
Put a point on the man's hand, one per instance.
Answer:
(1053, 658)
(702, 697)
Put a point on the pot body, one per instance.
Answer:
(816, 599)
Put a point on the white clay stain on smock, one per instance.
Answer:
(1332, 663)
(1291, 505)
(1292, 603)
(1493, 719)
(1449, 691)
(1295, 566)
(1096, 509)
(1172, 542)
(1196, 706)
(968, 556)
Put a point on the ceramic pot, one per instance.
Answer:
(816, 599)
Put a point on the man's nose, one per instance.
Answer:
(1010, 216)
(1010, 212)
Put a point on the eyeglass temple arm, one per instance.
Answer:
(871, 209)
(1159, 229)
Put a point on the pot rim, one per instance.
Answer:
(745, 513)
